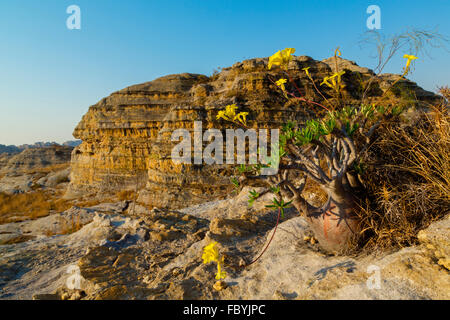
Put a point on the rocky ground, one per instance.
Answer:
(125, 251)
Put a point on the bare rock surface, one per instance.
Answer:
(436, 239)
(42, 262)
(16, 184)
(54, 178)
(158, 256)
(73, 218)
(289, 270)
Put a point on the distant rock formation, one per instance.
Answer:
(34, 158)
(9, 149)
(37, 145)
(72, 143)
(126, 136)
(12, 149)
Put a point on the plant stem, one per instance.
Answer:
(302, 98)
(271, 238)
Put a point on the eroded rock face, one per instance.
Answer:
(126, 136)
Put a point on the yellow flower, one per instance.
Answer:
(227, 114)
(230, 111)
(333, 84)
(281, 58)
(241, 117)
(337, 52)
(222, 115)
(339, 75)
(211, 254)
(325, 81)
(410, 57)
(307, 72)
(281, 83)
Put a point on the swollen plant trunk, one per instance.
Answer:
(334, 225)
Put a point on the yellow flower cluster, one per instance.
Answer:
(211, 254)
(229, 114)
(335, 84)
(281, 58)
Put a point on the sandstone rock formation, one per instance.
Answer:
(126, 136)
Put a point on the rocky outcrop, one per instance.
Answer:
(126, 136)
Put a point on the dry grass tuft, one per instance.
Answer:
(30, 205)
(445, 91)
(66, 227)
(48, 169)
(73, 226)
(407, 181)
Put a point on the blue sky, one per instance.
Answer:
(49, 75)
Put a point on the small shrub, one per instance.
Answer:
(69, 228)
(408, 181)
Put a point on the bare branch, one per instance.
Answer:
(315, 172)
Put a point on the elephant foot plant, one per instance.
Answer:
(326, 152)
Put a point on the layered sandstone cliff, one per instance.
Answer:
(126, 136)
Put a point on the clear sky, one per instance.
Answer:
(50, 75)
